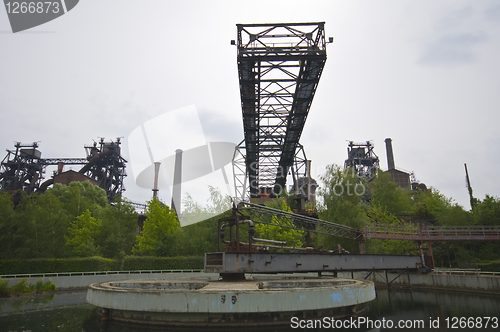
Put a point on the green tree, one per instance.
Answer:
(277, 229)
(39, 227)
(487, 211)
(7, 225)
(80, 196)
(194, 212)
(379, 215)
(159, 231)
(119, 225)
(200, 234)
(82, 234)
(389, 196)
(342, 202)
(342, 194)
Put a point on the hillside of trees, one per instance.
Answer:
(77, 221)
(385, 202)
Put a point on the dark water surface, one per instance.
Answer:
(65, 311)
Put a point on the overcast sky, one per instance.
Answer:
(424, 73)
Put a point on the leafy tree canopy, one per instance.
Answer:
(278, 229)
(82, 234)
(159, 230)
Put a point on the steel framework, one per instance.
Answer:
(362, 160)
(279, 67)
(24, 169)
(106, 166)
(241, 174)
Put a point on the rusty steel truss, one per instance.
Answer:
(279, 67)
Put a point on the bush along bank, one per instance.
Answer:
(24, 287)
(94, 264)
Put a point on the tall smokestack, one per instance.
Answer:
(60, 167)
(155, 187)
(390, 155)
(176, 191)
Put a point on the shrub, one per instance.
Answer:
(491, 266)
(56, 265)
(4, 287)
(89, 264)
(23, 286)
(131, 263)
(47, 286)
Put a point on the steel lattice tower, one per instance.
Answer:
(279, 67)
(362, 159)
(22, 168)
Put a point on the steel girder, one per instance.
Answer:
(241, 262)
(279, 67)
(65, 161)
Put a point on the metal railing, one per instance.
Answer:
(453, 271)
(433, 233)
(92, 273)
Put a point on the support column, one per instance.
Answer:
(361, 247)
(421, 249)
(431, 255)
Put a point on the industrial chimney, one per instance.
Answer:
(155, 185)
(176, 190)
(390, 155)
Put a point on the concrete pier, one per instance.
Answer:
(206, 302)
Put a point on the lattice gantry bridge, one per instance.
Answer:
(279, 67)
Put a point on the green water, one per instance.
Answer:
(66, 311)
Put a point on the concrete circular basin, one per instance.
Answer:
(254, 301)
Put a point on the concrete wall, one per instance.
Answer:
(83, 281)
(471, 283)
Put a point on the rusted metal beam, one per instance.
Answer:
(233, 262)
